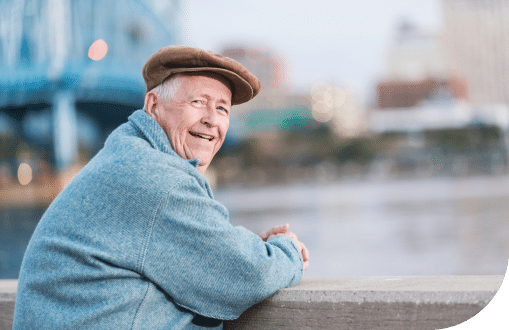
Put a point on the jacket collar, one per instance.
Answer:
(154, 134)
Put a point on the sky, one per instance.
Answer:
(337, 42)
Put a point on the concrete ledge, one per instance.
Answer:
(7, 298)
(424, 302)
(372, 303)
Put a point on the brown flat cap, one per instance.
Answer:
(177, 59)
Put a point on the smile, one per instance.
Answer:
(202, 136)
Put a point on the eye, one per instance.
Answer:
(223, 109)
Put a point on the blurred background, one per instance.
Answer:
(380, 133)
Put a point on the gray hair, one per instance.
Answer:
(168, 88)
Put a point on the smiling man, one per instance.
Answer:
(136, 240)
(197, 116)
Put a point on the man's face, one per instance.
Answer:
(197, 118)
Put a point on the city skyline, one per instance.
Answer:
(339, 43)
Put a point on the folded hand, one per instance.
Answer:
(283, 230)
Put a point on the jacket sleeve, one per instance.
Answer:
(208, 266)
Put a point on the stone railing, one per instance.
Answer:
(7, 298)
(427, 302)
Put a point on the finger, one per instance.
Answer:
(279, 229)
(289, 234)
(305, 252)
(306, 265)
(293, 236)
(281, 234)
(274, 230)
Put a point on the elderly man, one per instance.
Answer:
(136, 240)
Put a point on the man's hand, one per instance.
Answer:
(283, 230)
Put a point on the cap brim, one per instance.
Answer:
(241, 89)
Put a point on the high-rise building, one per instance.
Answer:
(415, 55)
(476, 38)
(416, 71)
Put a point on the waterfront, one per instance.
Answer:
(388, 228)
(368, 228)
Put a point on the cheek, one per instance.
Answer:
(179, 128)
(224, 128)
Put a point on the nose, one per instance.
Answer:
(209, 117)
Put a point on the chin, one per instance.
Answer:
(204, 159)
(204, 164)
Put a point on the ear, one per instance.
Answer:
(151, 104)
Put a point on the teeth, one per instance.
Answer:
(206, 137)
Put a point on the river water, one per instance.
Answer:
(368, 228)
(387, 228)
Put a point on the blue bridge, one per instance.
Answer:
(58, 100)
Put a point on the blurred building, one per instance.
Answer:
(477, 43)
(415, 55)
(275, 110)
(416, 71)
(424, 118)
(406, 94)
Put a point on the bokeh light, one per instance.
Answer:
(24, 174)
(326, 101)
(98, 50)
